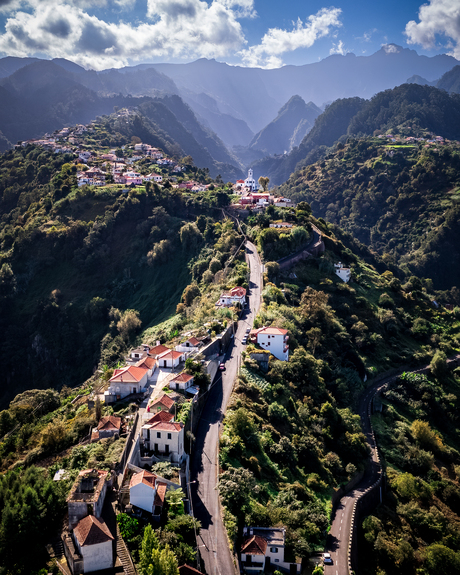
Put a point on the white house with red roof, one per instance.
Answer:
(127, 380)
(181, 382)
(263, 548)
(274, 340)
(108, 426)
(147, 492)
(164, 437)
(161, 403)
(94, 542)
(190, 344)
(170, 359)
(236, 295)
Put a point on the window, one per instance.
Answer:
(273, 549)
(158, 434)
(277, 560)
(169, 436)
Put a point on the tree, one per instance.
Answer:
(191, 292)
(438, 365)
(424, 435)
(441, 560)
(175, 499)
(163, 562)
(129, 323)
(236, 486)
(264, 181)
(149, 544)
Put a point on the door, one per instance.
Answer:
(156, 447)
(167, 449)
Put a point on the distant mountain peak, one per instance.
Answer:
(392, 48)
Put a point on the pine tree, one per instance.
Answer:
(149, 544)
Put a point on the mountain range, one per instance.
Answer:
(234, 116)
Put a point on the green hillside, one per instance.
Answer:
(69, 256)
(291, 435)
(399, 198)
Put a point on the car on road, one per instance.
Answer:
(244, 341)
(248, 331)
(327, 559)
(222, 366)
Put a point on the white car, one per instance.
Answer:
(327, 559)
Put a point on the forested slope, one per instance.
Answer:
(401, 200)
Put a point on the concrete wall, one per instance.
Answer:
(142, 496)
(97, 557)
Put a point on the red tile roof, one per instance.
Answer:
(162, 401)
(170, 354)
(147, 362)
(182, 378)
(145, 477)
(131, 374)
(91, 531)
(168, 426)
(155, 351)
(271, 331)
(193, 341)
(160, 416)
(160, 494)
(109, 422)
(254, 545)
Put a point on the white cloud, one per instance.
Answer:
(242, 8)
(177, 29)
(277, 42)
(439, 17)
(337, 48)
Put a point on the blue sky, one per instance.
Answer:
(267, 33)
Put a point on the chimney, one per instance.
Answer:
(158, 342)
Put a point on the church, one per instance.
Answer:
(250, 182)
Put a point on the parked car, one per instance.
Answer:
(244, 341)
(222, 366)
(248, 331)
(327, 559)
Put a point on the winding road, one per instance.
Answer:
(212, 541)
(339, 538)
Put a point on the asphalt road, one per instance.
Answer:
(212, 541)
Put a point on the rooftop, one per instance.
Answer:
(91, 531)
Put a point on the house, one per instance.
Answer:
(170, 359)
(164, 437)
(284, 225)
(108, 426)
(127, 380)
(190, 344)
(87, 495)
(236, 295)
(162, 403)
(157, 350)
(139, 352)
(147, 492)
(94, 543)
(263, 548)
(181, 382)
(343, 272)
(274, 340)
(148, 363)
(84, 156)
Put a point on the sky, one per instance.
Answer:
(101, 34)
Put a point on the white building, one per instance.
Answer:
(250, 182)
(181, 382)
(343, 272)
(164, 437)
(236, 295)
(127, 380)
(170, 359)
(190, 344)
(274, 340)
(264, 547)
(94, 542)
(147, 492)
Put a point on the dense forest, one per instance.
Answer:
(291, 435)
(399, 198)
